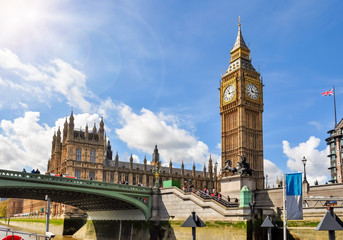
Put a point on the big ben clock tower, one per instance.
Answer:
(241, 108)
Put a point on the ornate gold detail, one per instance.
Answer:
(225, 86)
(250, 85)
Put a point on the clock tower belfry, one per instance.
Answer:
(241, 108)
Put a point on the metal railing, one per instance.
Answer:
(321, 201)
(10, 232)
(40, 178)
(221, 200)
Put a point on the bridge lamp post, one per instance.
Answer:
(48, 235)
(304, 162)
(215, 176)
(157, 172)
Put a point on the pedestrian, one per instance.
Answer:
(24, 170)
(33, 171)
(37, 171)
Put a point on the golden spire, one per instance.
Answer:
(240, 53)
(239, 40)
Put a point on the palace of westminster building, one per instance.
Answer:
(88, 155)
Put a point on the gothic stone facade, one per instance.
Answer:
(241, 108)
(87, 155)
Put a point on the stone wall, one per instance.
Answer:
(174, 204)
(315, 199)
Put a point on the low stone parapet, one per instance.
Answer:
(176, 205)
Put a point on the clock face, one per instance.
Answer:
(229, 93)
(252, 91)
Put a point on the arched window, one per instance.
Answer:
(92, 156)
(77, 173)
(78, 154)
(92, 175)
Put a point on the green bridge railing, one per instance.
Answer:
(40, 178)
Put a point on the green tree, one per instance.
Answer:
(3, 208)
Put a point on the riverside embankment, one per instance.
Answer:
(170, 230)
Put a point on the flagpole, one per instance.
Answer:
(334, 103)
(284, 208)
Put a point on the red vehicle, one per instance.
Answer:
(13, 237)
(61, 175)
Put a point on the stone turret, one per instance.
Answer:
(101, 129)
(170, 167)
(215, 170)
(109, 151)
(71, 127)
(204, 171)
(94, 130)
(116, 161)
(131, 162)
(182, 169)
(210, 168)
(53, 144)
(65, 131)
(58, 141)
(86, 132)
(145, 161)
(155, 157)
(193, 172)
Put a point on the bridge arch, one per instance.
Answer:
(90, 196)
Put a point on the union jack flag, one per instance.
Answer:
(328, 93)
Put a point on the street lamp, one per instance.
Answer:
(304, 162)
(157, 172)
(266, 180)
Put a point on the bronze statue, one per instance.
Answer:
(243, 167)
(228, 167)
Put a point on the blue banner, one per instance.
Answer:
(294, 204)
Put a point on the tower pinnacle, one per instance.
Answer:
(240, 43)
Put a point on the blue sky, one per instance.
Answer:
(152, 70)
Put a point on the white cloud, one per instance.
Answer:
(25, 143)
(316, 125)
(219, 146)
(143, 131)
(43, 83)
(317, 161)
(135, 158)
(272, 171)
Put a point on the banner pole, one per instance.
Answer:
(334, 103)
(284, 208)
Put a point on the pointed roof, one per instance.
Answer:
(268, 223)
(240, 55)
(71, 118)
(329, 223)
(239, 40)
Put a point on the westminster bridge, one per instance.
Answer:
(110, 201)
(99, 199)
